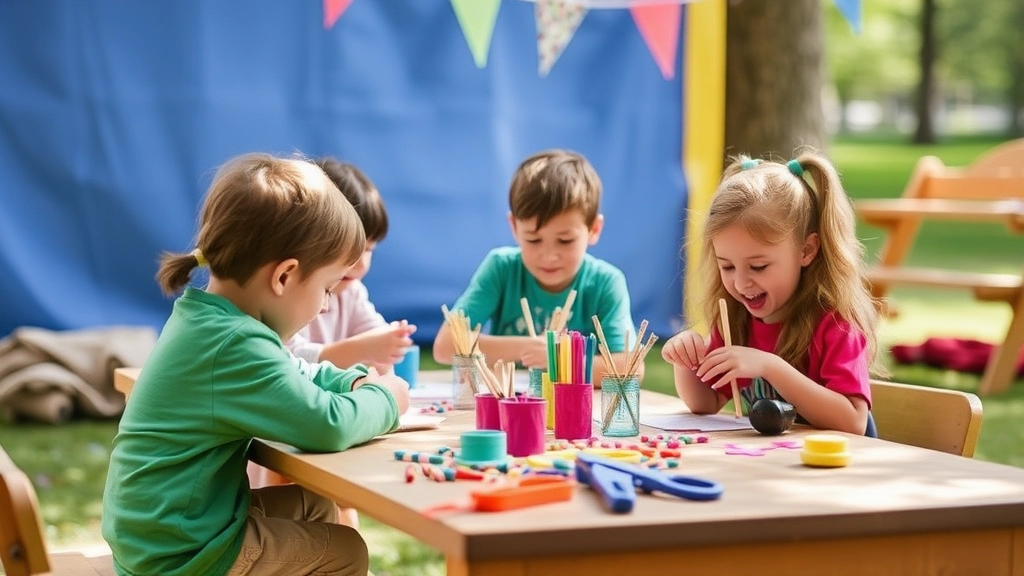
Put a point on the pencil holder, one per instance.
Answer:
(487, 417)
(522, 419)
(574, 409)
(548, 393)
(536, 387)
(620, 406)
(466, 381)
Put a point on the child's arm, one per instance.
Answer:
(528, 351)
(380, 347)
(821, 407)
(685, 351)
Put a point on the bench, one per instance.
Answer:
(991, 190)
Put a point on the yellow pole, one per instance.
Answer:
(703, 128)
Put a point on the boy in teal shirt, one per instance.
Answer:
(554, 200)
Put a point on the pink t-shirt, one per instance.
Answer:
(350, 312)
(837, 358)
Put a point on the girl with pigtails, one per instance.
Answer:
(779, 246)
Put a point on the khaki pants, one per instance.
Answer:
(292, 532)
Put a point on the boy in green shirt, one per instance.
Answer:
(554, 200)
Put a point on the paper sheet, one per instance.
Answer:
(687, 422)
(413, 420)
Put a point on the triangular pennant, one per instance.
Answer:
(557, 21)
(477, 18)
(659, 26)
(333, 9)
(851, 10)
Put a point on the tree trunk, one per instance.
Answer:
(925, 133)
(774, 76)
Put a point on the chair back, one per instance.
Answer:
(933, 418)
(22, 548)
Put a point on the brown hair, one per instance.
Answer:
(363, 195)
(552, 182)
(774, 202)
(262, 209)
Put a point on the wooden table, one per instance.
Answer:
(894, 510)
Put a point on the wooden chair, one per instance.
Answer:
(989, 190)
(22, 546)
(933, 418)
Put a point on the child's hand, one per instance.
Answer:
(398, 387)
(685, 349)
(731, 362)
(534, 353)
(385, 346)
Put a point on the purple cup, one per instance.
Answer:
(522, 419)
(487, 415)
(574, 407)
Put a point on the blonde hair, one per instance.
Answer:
(552, 182)
(262, 209)
(774, 202)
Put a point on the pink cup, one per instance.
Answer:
(522, 419)
(487, 415)
(574, 406)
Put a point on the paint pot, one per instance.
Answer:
(771, 417)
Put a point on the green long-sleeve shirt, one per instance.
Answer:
(177, 494)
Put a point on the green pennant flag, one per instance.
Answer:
(477, 18)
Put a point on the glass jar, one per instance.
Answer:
(536, 387)
(466, 381)
(620, 406)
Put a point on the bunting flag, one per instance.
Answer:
(477, 18)
(333, 9)
(850, 9)
(659, 26)
(557, 21)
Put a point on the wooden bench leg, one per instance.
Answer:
(1002, 367)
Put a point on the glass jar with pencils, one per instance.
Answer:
(466, 380)
(620, 405)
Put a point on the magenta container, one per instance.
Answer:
(574, 407)
(487, 416)
(522, 419)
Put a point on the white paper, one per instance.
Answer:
(686, 422)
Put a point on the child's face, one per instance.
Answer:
(303, 299)
(763, 277)
(555, 253)
(361, 267)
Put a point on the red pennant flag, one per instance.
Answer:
(659, 26)
(333, 9)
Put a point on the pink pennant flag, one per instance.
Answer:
(333, 9)
(659, 26)
(557, 21)
(477, 18)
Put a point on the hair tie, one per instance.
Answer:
(199, 257)
(795, 167)
(749, 163)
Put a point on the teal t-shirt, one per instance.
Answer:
(177, 495)
(499, 284)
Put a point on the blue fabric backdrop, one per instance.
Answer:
(114, 115)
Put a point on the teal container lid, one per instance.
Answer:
(482, 448)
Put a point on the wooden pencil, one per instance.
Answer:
(723, 311)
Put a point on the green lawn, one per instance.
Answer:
(68, 463)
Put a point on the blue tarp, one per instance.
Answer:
(114, 116)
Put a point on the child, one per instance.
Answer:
(278, 239)
(781, 249)
(351, 330)
(554, 200)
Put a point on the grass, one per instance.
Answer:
(68, 463)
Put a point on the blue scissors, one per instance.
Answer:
(617, 482)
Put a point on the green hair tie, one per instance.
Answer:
(795, 167)
(749, 163)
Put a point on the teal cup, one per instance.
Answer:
(409, 366)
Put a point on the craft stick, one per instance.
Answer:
(606, 353)
(651, 339)
(476, 337)
(638, 346)
(737, 402)
(552, 356)
(528, 317)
